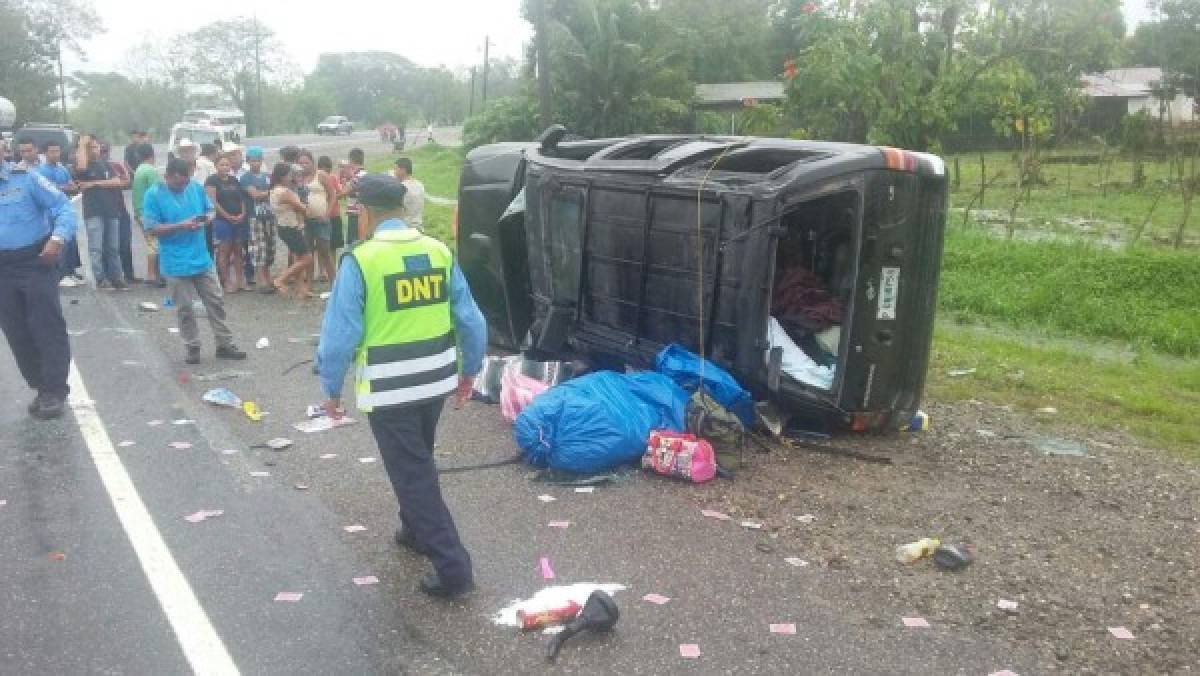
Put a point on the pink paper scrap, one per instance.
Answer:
(915, 622)
(689, 650)
(783, 628)
(656, 599)
(366, 579)
(547, 571)
(1121, 633)
(559, 524)
(713, 514)
(355, 528)
(180, 445)
(290, 597)
(203, 515)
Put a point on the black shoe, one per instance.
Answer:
(432, 584)
(193, 356)
(49, 407)
(405, 539)
(230, 351)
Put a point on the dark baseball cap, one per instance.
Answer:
(381, 190)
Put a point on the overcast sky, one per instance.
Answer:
(431, 33)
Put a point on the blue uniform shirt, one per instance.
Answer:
(185, 253)
(342, 330)
(31, 209)
(55, 173)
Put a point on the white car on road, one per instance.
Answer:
(335, 124)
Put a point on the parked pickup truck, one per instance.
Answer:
(809, 270)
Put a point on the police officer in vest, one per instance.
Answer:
(35, 221)
(401, 311)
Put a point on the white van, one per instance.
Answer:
(200, 134)
(232, 119)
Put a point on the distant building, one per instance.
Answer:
(730, 98)
(1127, 91)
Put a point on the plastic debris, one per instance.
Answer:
(752, 525)
(915, 551)
(1067, 447)
(954, 557)
(183, 421)
(585, 489)
(366, 580)
(918, 423)
(203, 515)
(263, 343)
(788, 628)
(599, 614)
(130, 362)
(126, 444)
(260, 474)
(366, 461)
(251, 410)
(690, 651)
(354, 528)
(328, 456)
(547, 571)
(222, 397)
(805, 518)
(547, 498)
(915, 622)
(3, 503)
(147, 307)
(713, 514)
(314, 425)
(1005, 604)
(278, 443)
(795, 561)
(1121, 633)
(656, 599)
(544, 619)
(154, 423)
(301, 487)
(180, 445)
(172, 329)
(289, 597)
(230, 451)
(958, 373)
(552, 597)
(559, 524)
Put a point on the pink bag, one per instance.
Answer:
(680, 455)
(516, 391)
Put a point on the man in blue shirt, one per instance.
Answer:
(58, 174)
(405, 431)
(35, 220)
(176, 211)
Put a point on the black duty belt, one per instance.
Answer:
(23, 254)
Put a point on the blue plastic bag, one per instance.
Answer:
(599, 421)
(682, 366)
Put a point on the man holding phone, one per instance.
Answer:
(176, 212)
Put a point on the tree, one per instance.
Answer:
(111, 104)
(34, 33)
(360, 81)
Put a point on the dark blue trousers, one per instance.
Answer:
(125, 244)
(32, 320)
(405, 437)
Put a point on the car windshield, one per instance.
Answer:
(331, 120)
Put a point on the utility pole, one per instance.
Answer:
(541, 40)
(471, 100)
(62, 83)
(486, 42)
(258, 113)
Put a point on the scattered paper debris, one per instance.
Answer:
(915, 622)
(322, 424)
(656, 599)
(585, 489)
(805, 518)
(547, 571)
(552, 597)
(547, 498)
(289, 597)
(752, 525)
(1004, 672)
(263, 343)
(1005, 604)
(222, 396)
(230, 451)
(74, 332)
(713, 514)
(789, 629)
(1121, 633)
(354, 528)
(690, 651)
(260, 474)
(278, 443)
(180, 445)
(301, 487)
(366, 579)
(251, 410)
(797, 562)
(203, 515)
(172, 329)
(126, 444)
(183, 421)
(366, 460)
(154, 423)
(328, 456)
(147, 306)
(130, 362)
(559, 524)
(3, 503)
(58, 556)
(958, 373)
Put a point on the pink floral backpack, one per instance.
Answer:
(683, 456)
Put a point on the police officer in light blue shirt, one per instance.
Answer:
(36, 219)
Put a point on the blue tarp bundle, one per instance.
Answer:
(599, 421)
(684, 367)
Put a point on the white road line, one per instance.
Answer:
(201, 645)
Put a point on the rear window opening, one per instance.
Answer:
(643, 151)
(763, 160)
(811, 290)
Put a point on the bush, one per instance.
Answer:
(508, 119)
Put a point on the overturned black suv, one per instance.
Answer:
(809, 270)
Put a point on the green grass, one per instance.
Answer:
(1147, 297)
(1154, 398)
(435, 166)
(1097, 203)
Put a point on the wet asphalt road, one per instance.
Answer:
(94, 611)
